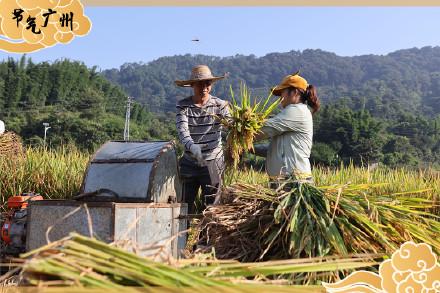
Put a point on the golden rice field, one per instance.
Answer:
(394, 181)
(58, 174)
(51, 173)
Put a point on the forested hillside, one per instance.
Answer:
(406, 79)
(374, 108)
(80, 105)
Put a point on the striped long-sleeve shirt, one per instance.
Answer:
(198, 125)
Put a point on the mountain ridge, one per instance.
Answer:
(410, 77)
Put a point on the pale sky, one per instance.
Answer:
(142, 34)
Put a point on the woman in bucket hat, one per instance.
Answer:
(199, 132)
(291, 131)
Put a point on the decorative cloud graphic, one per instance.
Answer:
(31, 25)
(412, 268)
(414, 257)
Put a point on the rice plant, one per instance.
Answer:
(84, 262)
(397, 180)
(299, 220)
(55, 174)
(424, 183)
(354, 210)
(248, 117)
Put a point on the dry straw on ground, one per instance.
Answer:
(255, 223)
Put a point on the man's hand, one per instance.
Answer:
(197, 153)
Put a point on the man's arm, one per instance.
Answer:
(224, 111)
(185, 136)
(182, 127)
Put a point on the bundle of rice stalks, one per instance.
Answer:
(10, 145)
(248, 116)
(79, 260)
(82, 261)
(255, 223)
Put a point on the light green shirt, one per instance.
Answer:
(290, 133)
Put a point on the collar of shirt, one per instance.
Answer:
(204, 105)
(295, 105)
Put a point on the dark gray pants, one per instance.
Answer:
(208, 178)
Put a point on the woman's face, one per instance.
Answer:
(289, 96)
(202, 88)
(285, 97)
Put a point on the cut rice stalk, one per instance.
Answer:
(248, 118)
(256, 223)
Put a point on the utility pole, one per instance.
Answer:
(127, 120)
(46, 128)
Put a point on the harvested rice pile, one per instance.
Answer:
(10, 145)
(255, 223)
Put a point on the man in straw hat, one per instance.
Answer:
(291, 131)
(199, 131)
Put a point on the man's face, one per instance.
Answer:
(202, 88)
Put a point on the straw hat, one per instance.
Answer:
(293, 80)
(198, 73)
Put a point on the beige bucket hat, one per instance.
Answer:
(199, 73)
